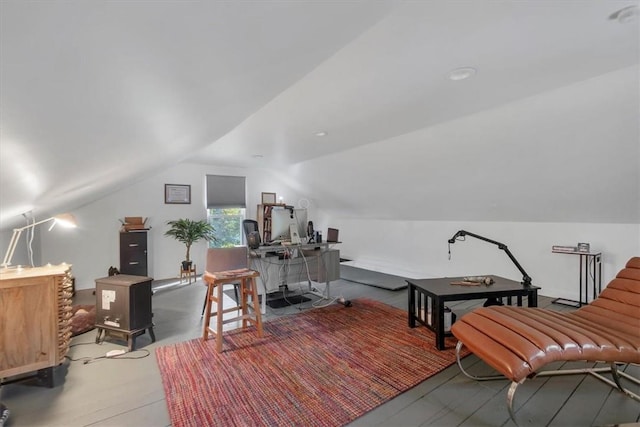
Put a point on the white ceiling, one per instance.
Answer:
(95, 95)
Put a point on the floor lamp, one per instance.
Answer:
(65, 220)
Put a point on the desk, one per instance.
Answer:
(428, 296)
(305, 263)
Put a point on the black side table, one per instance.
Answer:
(434, 293)
(590, 267)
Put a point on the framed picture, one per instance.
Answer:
(177, 194)
(268, 198)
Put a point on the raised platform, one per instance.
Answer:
(372, 278)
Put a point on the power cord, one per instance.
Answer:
(283, 272)
(112, 354)
(321, 303)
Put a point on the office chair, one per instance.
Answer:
(251, 233)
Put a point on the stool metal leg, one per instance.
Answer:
(204, 305)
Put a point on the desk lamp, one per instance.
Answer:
(65, 220)
(526, 279)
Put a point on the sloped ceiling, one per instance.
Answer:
(95, 95)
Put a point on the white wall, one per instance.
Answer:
(94, 246)
(557, 168)
(561, 167)
(420, 249)
(568, 155)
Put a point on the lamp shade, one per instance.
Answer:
(66, 220)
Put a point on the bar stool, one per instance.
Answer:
(206, 297)
(229, 266)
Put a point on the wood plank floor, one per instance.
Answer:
(128, 392)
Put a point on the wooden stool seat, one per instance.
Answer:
(247, 287)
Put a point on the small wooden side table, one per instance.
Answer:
(189, 274)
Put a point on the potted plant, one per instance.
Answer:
(189, 232)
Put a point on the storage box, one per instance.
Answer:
(134, 223)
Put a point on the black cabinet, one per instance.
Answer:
(133, 253)
(123, 307)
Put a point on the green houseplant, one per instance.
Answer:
(190, 232)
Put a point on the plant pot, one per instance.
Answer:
(186, 265)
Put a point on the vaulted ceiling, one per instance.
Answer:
(95, 95)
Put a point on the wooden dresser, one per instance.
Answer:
(35, 320)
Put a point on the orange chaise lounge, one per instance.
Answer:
(519, 341)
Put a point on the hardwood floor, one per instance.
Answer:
(128, 392)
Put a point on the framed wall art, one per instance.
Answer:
(268, 198)
(177, 194)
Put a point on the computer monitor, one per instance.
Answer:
(283, 218)
(332, 235)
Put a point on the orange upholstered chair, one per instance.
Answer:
(519, 342)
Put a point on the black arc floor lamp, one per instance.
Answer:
(460, 235)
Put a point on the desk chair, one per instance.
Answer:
(251, 233)
(229, 266)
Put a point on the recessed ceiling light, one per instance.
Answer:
(321, 133)
(626, 14)
(461, 73)
(257, 156)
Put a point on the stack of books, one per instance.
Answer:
(560, 248)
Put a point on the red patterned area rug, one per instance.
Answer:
(323, 367)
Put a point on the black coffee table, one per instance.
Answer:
(427, 298)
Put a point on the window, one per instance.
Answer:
(226, 208)
(228, 225)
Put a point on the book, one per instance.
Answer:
(560, 248)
